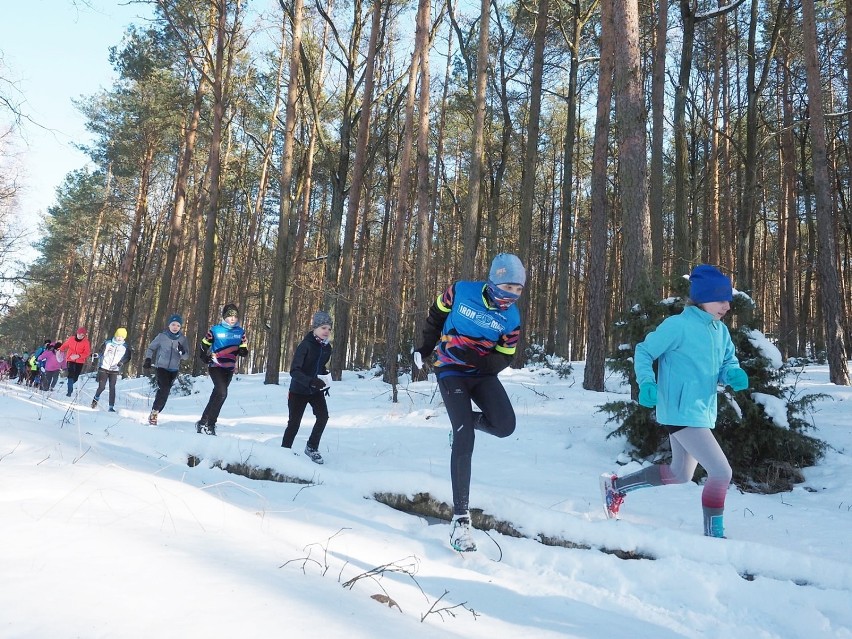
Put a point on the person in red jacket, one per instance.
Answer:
(76, 350)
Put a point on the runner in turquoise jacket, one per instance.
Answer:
(694, 354)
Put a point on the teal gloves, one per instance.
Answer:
(648, 394)
(737, 379)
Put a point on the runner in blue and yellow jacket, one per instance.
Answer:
(476, 327)
(220, 348)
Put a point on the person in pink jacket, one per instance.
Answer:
(51, 361)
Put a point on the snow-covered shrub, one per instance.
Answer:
(182, 387)
(536, 356)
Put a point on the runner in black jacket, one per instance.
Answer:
(306, 385)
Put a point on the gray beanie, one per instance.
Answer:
(319, 319)
(506, 268)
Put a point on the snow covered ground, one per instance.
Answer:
(107, 531)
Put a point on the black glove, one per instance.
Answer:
(316, 384)
(147, 363)
(95, 357)
(204, 354)
(242, 351)
(489, 364)
(180, 349)
(470, 356)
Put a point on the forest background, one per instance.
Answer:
(359, 157)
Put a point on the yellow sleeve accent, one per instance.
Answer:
(441, 306)
(505, 350)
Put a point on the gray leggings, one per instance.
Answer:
(690, 447)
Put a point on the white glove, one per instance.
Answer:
(418, 360)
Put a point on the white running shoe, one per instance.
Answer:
(461, 538)
(314, 455)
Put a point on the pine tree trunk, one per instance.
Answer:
(120, 314)
(682, 259)
(528, 181)
(632, 171)
(344, 302)
(422, 292)
(712, 230)
(470, 235)
(341, 173)
(214, 168)
(273, 352)
(658, 106)
(244, 278)
(593, 376)
(166, 301)
(827, 253)
(403, 212)
(788, 224)
(90, 271)
(565, 309)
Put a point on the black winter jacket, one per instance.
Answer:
(309, 362)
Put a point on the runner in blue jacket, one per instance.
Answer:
(695, 354)
(220, 348)
(476, 326)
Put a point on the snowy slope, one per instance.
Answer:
(109, 532)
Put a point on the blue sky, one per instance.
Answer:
(57, 50)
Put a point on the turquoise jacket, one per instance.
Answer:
(695, 353)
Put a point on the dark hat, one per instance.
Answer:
(709, 284)
(175, 318)
(230, 310)
(506, 268)
(320, 318)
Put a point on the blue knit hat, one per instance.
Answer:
(709, 284)
(175, 318)
(507, 269)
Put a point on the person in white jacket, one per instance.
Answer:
(112, 356)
